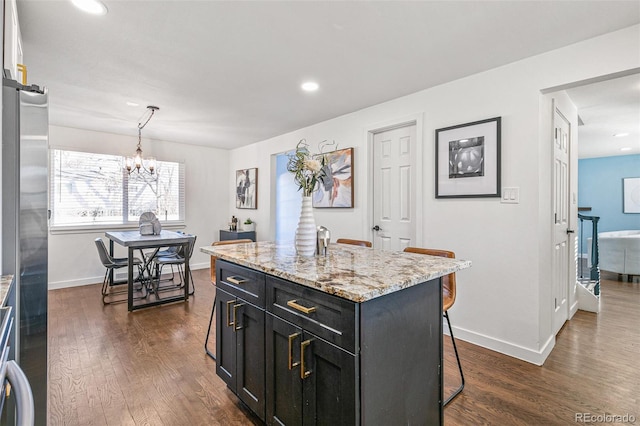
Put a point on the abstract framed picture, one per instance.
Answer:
(247, 188)
(631, 190)
(336, 190)
(468, 160)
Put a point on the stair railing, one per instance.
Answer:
(594, 272)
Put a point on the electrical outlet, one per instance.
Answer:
(510, 195)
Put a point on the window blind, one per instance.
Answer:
(94, 189)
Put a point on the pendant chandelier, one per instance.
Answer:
(137, 163)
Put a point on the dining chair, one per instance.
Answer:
(360, 243)
(112, 264)
(178, 260)
(213, 282)
(448, 299)
(171, 251)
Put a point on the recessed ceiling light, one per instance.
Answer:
(94, 7)
(310, 86)
(621, 135)
(132, 104)
(626, 148)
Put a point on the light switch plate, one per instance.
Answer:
(510, 195)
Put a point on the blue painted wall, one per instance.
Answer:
(600, 187)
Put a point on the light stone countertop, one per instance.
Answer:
(351, 272)
(5, 285)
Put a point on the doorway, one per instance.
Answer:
(563, 141)
(607, 130)
(395, 182)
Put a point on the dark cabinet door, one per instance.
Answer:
(309, 380)
(250, 359)
(329, 384)
(240, 349)
(284, 385)
(225, 339)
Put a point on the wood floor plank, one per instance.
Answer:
(111, 367)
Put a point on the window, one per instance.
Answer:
(94, 189)
(288, 200)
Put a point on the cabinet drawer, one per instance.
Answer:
(329, 317)
(241, 282)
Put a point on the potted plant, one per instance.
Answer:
(249, 225)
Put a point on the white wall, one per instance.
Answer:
(12, 40)
(503, 299)
(2, 65)
(73, 259)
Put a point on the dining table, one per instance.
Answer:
(133, 240)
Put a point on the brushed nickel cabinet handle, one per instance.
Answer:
(235, 280)
(292, 364)
(229, 323)
(236, 323)
(303, 371)
(293, 304)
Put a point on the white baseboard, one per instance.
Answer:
(574, 308)
(536, 357)
(55, 285)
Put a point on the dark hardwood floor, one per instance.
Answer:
(111, 367)
(593, 368)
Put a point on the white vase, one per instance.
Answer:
(306, 233)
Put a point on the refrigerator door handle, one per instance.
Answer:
(25, 411)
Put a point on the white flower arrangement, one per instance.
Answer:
(308, 169)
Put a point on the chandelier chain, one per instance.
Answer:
(137, 162)
(153, 110)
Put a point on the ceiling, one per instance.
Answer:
(227, 74)
(608, 108)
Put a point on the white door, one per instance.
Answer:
(560, 262)
(394, 188)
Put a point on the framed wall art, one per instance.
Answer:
(247, 188)
(468, 160)
(336, 191)
(631, 190)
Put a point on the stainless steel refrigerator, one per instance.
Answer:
(25, 130)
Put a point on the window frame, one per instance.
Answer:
(124, 224)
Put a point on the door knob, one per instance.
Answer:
(570, 231)
(376, 228)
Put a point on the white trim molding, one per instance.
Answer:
(533, 356)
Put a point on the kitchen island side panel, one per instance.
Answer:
(401, 355)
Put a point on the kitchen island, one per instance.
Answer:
(354, 337)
